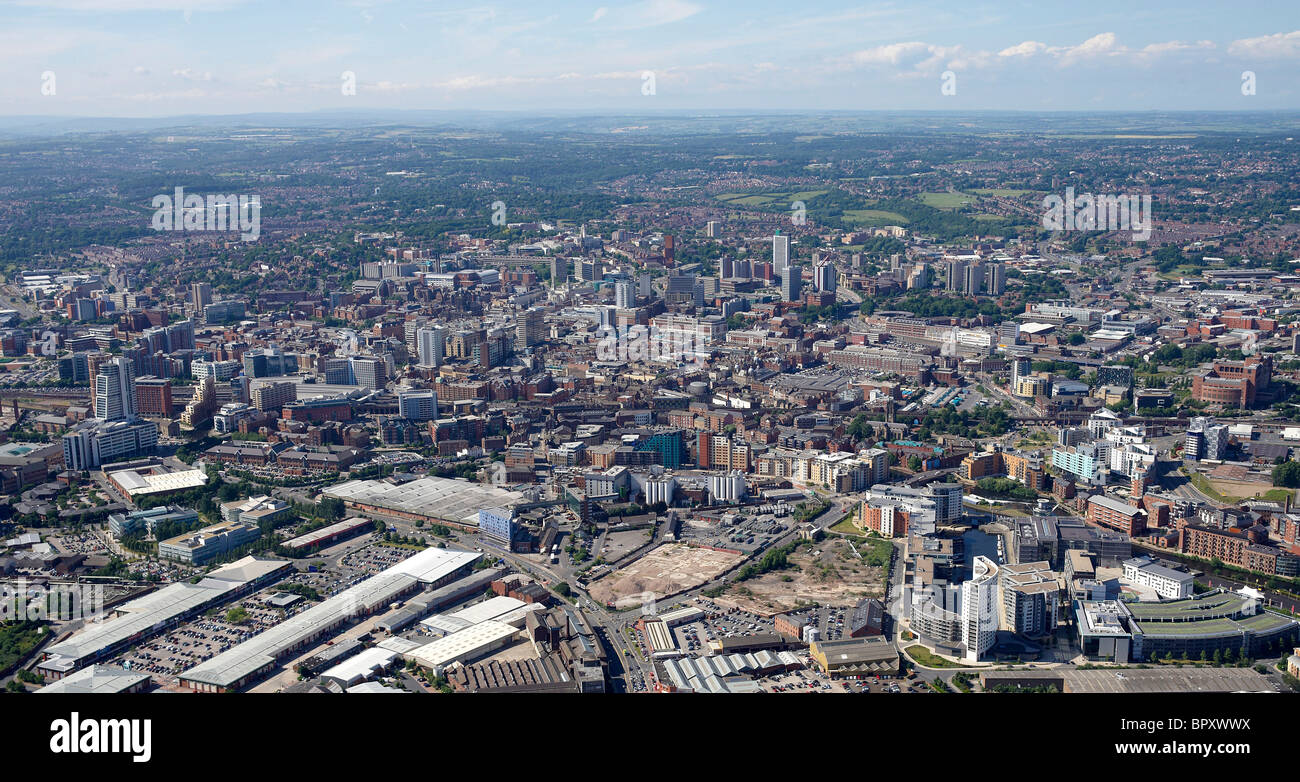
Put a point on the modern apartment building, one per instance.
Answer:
(1031, 598)
(979, 609)
(1170, 584)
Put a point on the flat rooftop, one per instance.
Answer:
(97, 679)
(260, 651)
(438, 498)
(138, 617)
(137, 484)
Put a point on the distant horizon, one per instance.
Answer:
(674, 112)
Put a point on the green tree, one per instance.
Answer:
(1287, 474)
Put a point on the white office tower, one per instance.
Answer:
(410, 335)
(780, 254)
(824, 278)
(711, 229)
(115, 390)
(1020, 367)
(645, 287)
(421, 405)
(979, 609)
(430, 344)
(791, 282)
(624, 295)
(369, 371)
(1205, 440)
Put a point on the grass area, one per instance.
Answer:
(928, 659)
(1000, 192)
(1125, 135)
(946, 200)
(846, 526)
(1206, 487)
(1035, 438)
(873, 217)
(781, 200)
(1202, 485)
(17, 640)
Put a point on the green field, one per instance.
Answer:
(776, 200)
(1126, 135)
(873, 217)
(947, 200)
(1000, 192)
(846, 526)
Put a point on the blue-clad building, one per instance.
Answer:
(498, 523)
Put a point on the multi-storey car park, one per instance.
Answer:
(1222, 622)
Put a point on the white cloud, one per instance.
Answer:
(123, 6)
(892, 54)
(154, 97)
(390, 86)
(477, 82)
(599, 12)
(1277, 46)
(1100, 45)
(648, 13)
(1026, 49)
(914, 58)
(192, 75)
(1170, 47)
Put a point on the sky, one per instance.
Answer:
(158, 58)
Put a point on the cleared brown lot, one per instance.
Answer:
(828, 573)
(666, 570)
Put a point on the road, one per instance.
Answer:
(993, 390)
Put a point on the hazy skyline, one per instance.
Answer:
(154, 58)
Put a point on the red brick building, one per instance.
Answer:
(1113, 514)
(1236, 383)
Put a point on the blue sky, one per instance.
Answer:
(148, 58)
